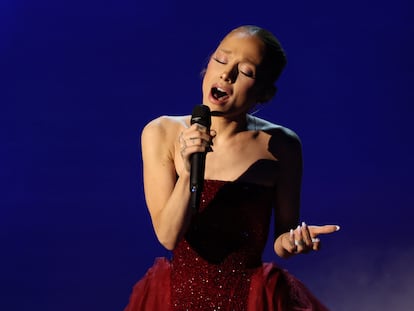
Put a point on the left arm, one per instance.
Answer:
(291, 241)
(288, 150)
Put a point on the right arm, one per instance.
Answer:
(167, 196)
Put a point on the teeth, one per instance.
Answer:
(219, 92)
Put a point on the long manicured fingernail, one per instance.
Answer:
(314, 240)
(303, 224)
(337, 228)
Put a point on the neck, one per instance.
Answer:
(226, 127)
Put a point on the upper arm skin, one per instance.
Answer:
(286, 146)
(166, 195)
(158, 164)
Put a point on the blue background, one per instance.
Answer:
(79, 80)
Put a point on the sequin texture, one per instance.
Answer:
(211, 268)
(218, 266)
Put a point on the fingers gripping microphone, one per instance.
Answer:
(201, 115)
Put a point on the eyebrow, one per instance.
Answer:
(225, 51)
(228, 52)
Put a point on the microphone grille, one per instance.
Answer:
(201, 115)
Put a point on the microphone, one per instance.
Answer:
(201, 115)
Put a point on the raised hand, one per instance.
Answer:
(305, 238)
(194, 139)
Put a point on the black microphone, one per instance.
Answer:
(201, 115)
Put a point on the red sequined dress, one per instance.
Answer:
(218, 266)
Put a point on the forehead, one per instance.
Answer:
(243, 45)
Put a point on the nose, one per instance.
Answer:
(230, 74)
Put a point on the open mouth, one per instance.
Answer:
(218, 92)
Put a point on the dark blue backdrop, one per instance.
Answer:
(79, 80)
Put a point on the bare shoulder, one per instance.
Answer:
(164, 127)
(280, 135)
(159, 138)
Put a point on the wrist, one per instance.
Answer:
(279, 248)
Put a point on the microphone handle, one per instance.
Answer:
(197, 179)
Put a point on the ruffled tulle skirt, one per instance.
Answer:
(271, 289)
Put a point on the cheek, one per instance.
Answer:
(253, 93)
(208, 77)
(208, 72)
(211, 69)
(205, 85)
(249, 87)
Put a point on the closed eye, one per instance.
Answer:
(219, 61)
(248, 74)
(243, 69)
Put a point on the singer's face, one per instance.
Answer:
(230, 82)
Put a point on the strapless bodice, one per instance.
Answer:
(223, 244)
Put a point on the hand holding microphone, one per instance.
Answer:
(201, 116)
(195, 143)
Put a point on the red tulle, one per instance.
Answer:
(271, 289)
(218, 265)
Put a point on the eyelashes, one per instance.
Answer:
(244, 71)
(219, 61)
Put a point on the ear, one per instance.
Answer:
(267, 93)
